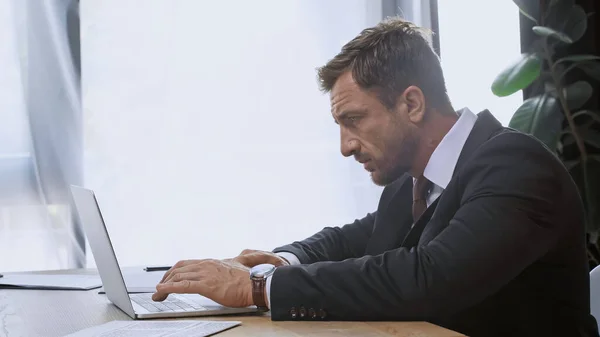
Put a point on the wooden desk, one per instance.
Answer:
(31, 313)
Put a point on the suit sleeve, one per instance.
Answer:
(506, 220)
(334, 243)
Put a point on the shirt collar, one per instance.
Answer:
(442, 162)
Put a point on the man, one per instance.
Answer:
(479, 228)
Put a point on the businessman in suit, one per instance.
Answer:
(479, 228)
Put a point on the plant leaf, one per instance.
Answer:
(591, 137)
(567, 18)
(525, 10)
(558, 2)
(578, 94)
(578, 58)
(568, 140)
(518, 75)
(575, 23)
(569, 68)
(540, 117)
(555, 14)
(591, 68)
(588, 135)
(593, 115)
(549, 32)
(571, 164)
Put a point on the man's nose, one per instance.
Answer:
(349, 146)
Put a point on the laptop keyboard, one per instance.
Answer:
(171, 304)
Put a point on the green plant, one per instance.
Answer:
(558, 115)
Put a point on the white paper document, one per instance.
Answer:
(176, 328)
(50, 282)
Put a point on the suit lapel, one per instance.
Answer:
(412, 239)
(394, 217)
(485, 127)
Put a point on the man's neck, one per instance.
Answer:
(435, 128)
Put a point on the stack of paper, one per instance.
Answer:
(50, 282)
(174, 328)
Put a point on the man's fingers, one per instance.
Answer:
(182, 287)
(164, 289)
(185, 269)
(182, 273)
(176, 266)
(181, 276)
(159, 297)
(167, 273)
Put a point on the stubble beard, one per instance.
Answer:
(400, 159)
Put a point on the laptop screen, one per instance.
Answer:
(89, 216)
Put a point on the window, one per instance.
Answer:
(478, 39)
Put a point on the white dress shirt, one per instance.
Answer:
(441, 164)
(439, 168)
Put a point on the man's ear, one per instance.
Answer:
(415, 104)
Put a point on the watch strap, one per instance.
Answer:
(258, 293)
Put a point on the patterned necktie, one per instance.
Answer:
(420, 192)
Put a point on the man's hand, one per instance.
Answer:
(225, 282)
(251, 258)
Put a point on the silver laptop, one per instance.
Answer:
(138, 306)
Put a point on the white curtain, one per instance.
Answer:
(40, 152)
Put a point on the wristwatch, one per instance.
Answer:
(258, 276)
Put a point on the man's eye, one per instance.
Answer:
(353, 119)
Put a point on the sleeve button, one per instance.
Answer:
(293, 312)
(322, 313)
(302, 312)
(312, 313)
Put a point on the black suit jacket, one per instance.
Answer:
(501, 252)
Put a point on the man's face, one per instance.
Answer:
(384, 141)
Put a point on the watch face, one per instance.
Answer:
(262, 270)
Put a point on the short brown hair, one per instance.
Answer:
(388, 58)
